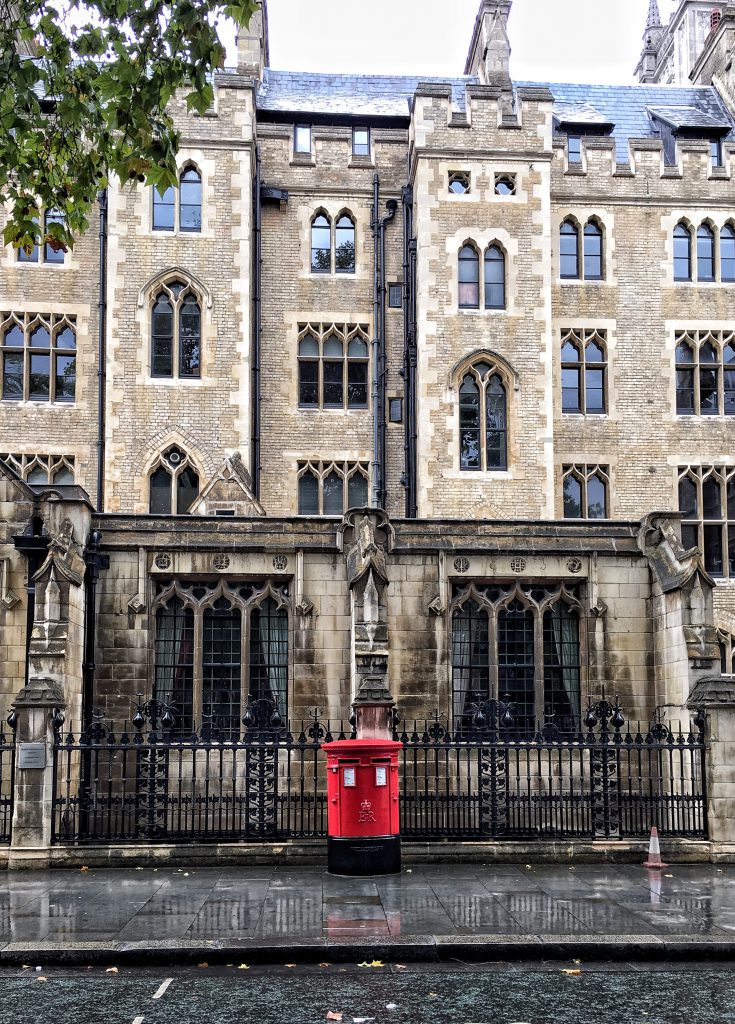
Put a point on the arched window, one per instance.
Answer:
(309, 494)
(483, 419)
(685, 363)
(333, 494)
(221, 665)
(357, 373)
(728, 359)
(357, 489)
(494, 278)
(593, 268)
(333, 366)
(470, 663)
(562, 697)
(309, 372)
(569, 249)
(268, 654)
(585, 492)
(516, 662)
(164, 209)
(190, 200)
(709, 380)
(344, 250)
(583, 371)
(705, 253)
(174, 660)
(174, 484)
(682, 253)
(727, 253)
(330, 488)
(469, 278)
(176, 333)
(321, 244)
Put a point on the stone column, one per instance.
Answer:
(34, 708)
(715, 697)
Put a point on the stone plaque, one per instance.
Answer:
(32, 755)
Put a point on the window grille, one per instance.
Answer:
(41, 469)
(483, 419)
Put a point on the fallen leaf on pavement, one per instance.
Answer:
(574, 971)
(364, 964)
(244, 967)
(112, 970)
(205, 964)
(41, 978)
(84, 868)
(290, 965)
(400, 967)
(331, 1015)
(377, 963)
(668, 876)
(325, 965)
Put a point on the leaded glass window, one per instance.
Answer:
(269, 653)
(173, 484)
(593, 251)
(516, 668)
(682, 253)
(483, 419)
(221, 665)
(469, 278)
(470, 662)
(39, 360)
(176, 332)
(494, 278)
(174, 660)
(333, 364)
(562, 696)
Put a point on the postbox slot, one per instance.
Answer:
(349, 760)
(381, 760)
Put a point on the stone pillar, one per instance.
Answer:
(252, 44)
(716, 698)
(34, 708)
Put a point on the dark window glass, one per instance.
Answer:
(190, 200)
(333, 494)
(494, 278)
(357, 491)
(705, 253)
(189, 337)
(345, 246)
(395, 410)
(333, 370)
(682, 253)
(13, 376)
(321, 245)
(66, 378)
(302, 138)
(357, 374)
(221, 667)
(713, 562)
(162, 354)
(729, 379)
(469, 424)
(469, 278)
(496, 434)
(51, 254)
(709, 372)
(516, 676)
(562, 666)
(174, 661)
(395, 296)
(160, 492)
(572, 497)
(594, 389)
(571, 395)
(361, 141)
(63, 476)
(596, 498)
(39, 380)
(684, 379)
(727, 253)
(592, 252)
(308, 495)
(715, 149)
(308, 372)
(569, 250)
(470, 664)
(164, 209)
(38, 475)
(574, 149)
(688, 505)
(187, 489)
(268, 660)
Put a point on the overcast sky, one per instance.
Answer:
(552, 40)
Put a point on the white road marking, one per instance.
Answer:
(138, 1020)
(163, 988)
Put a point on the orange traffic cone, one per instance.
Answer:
(654, 852)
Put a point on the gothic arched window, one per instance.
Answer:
(516, 662)
(268, 653)
(470, 662)
(593, 265)
(173, 682)
(727, 253)
(705, 253)
(190, 200)
(569, 249)
(483, 419)
(494, 278)
(585, 492)
(176, 332)
(321, 244)
(469, 278)
(682, 253)
(174, 484)
(562, 697)
(344, 245)
(221, 664)
(583, 371)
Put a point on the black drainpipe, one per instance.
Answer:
(34, 546)
(376, 468)
(101, 351)
(391, 207)
(409, 355)
(257, 326)
(95, 561)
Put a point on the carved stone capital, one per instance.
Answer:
(43, 691)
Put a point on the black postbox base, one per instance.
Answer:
(371, 855)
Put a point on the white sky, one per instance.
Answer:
(551, 40)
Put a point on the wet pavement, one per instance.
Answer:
(440, 909)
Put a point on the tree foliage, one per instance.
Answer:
(84, 90)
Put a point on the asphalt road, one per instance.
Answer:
(419, 994)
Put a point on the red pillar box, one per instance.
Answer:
(362, 790)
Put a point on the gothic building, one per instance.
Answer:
(497, 315)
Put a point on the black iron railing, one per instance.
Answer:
(7, 783)
(599, 780)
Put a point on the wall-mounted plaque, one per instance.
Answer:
(32, 755)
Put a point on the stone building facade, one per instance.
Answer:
(499, 316)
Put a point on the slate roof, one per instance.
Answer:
(625, 106)
(689, 117)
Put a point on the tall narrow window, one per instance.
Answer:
(174, 660)
(705, 253)
(689, 507)
(176, 329)
(13, 348)
(494, 278)
(33, 254)
(574, 149)
(469, 278)
(65, 365)
(39, 381)
(562, 697)
(221, 667)
(309, 372)
(333, 368)
(164, 209)
(357, 490)
(709, 380)
(682, 253)
(483, 419)
(357, 373)
(52, 253)
(728, 358)
(333, 494)
(321, 244)
(712, 525)
(593, 251)
(571, 376)
(585, 492)
(516, 665)
(727, 253)
(470, 663)
(685, 379)
(308, 494)
(344, 253)
(174, 484)
(584, 370)
(569, 249)
(361, 142)
(268, 654)
(190, 200)
(302, 138)
(160, 492)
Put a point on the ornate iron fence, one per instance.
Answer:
(155, 785)
(7, 782)
(598, 781)
(595, 779)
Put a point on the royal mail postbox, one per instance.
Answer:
(363, 824)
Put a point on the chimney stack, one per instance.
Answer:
(252, 44)
(489, 54)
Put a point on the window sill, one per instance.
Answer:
(361, 162)
(37, 403)
(195, 382)
(303, 160)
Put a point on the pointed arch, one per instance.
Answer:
(706, 251)
(594, 235)
(165, 277)
(569, 248)
(469, 276)
(495, 274)
(345, 243)
(727, 252)
(682, 251)
(190, 198)
(321, 242)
